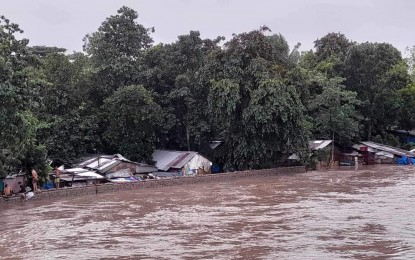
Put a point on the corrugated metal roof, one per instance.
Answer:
(172, 159)
(387, 148)
(318, 144)
(105, 163)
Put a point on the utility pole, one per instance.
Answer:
(332, 141)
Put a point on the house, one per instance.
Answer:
(380, 153)
(322, 155)
(106, 164)
(184, 163)
(12, 180)
(80, 177)
(320, 150)
(112, 167)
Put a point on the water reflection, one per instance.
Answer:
(325, 215)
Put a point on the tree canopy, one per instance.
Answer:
(19, 101)
(262, 99)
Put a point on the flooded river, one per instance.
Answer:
(367, 214)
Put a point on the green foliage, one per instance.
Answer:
(323, 155)
(407, 107)
(263, 100)
(18, 96)
(175, 73)
(408, 146)
(134, 122)
(388, 139)
(334, 111)
(118, 39)
(72, 126)
(258, 117)
(332, 45)
(376, 71)
(43, 51)
(116, 51)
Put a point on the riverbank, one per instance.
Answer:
(149, 184)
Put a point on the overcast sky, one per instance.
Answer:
(64, 23)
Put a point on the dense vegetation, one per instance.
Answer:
(125, 95)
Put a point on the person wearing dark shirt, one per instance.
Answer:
(21, 187)
(22, 190)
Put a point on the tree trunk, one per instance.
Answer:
(332, 148)
(188, 137)
(369, 133)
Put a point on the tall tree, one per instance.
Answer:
(116, 50)
(254, 112)
(173, 71)
(18, 98)
(329, 55)
(376, 72)
(334, 112)
(72, 120)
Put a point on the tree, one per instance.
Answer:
(134, 122)
(407, 108)
(376, 72)
(173, 72)
(254, 112)
(334, 112)
(332, 45)
(18, 97)
(329, 55)
(116, 50)
(71, 121)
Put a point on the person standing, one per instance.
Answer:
(7, 191)
(57, 177)
(35, 179)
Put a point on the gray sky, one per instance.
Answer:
(64, 23)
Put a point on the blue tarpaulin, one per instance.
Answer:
(405, 160)
(48, 186)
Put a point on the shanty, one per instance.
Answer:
(181, 163)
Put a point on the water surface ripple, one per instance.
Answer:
(366, 214)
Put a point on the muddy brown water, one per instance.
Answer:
(365, 214)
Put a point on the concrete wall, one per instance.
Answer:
(114, 187)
